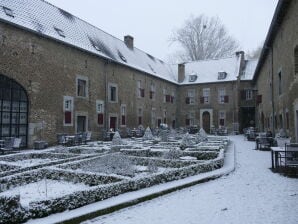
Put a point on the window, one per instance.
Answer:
(164, 116)
(164, 92)
(222, 75)
(68, 110)
(60, 32)
(192, 78)
(82, 88)
(140, 115)
(190, 99)
(140, 90)
(222, 117)
(248, 94)
(100, 112)
(121, 56)
(123, 115)
(173, 97)
(206, 95)
(221, 95)
(279, 83)
(113, 93)
(152, 91)
(190, 119)
(8, 11)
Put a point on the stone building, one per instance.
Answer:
(59, 74)
(276, 76)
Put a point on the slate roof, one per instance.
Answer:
(207, 70)
(47, 20)
(249, 70)
(44, 19)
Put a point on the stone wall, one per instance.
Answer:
(285, 89)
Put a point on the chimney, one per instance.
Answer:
(181, 72)
(128, 40)
(240, 54)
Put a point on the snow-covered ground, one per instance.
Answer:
(252, 194)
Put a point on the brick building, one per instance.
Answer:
(276, 76)
(59, 74)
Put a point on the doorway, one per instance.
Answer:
(206, 121)
(113, 123)
(81, 124)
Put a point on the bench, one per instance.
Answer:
(264, 142)
(291, 155)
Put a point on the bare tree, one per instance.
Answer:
(204, 38)
(255, 54)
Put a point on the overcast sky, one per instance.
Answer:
(152, 22)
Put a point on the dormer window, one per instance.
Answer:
(222, 75)
(121, 56)
(152, 69)
(192, 78)
(8, 11)
(60, 32)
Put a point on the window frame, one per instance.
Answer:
(85, 90)
(123, 114)
(67, 110)
(110, 86)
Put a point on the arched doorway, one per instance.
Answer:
(206, 121)
(13, 110)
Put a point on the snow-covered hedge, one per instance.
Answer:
(5, 167)
(55, 159)
(102, 186)
(199, 154)
(11, 210)
(10, 182)
(81, 198)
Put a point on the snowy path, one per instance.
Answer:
(250, 195)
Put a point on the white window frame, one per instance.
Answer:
(100, 109)
(123, 112)
(69, 108)
(191, 117)
(206, 95)
(100, 106)
(191, 96)
(248, 94)
(139, 87)
(153, 90)
(164, 92)
(221, 95)
(222, 115)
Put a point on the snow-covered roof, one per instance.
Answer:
(249, 70)
(207, 71)
(45, 19)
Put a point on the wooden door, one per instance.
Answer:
(206, 121)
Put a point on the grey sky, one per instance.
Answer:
(152, 22)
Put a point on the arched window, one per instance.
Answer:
(13, 110)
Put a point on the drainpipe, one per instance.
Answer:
(106, 106)
(272, 93)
